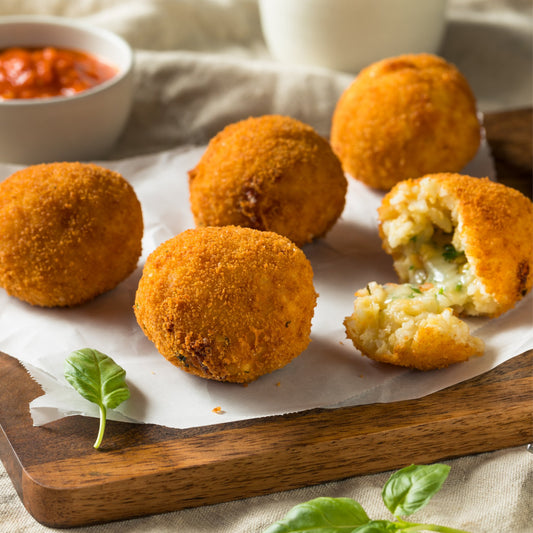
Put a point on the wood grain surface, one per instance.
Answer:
(510, 137)
(145, 469)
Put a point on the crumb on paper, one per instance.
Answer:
(278, 384)
(218, 410)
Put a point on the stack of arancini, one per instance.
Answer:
(233, 299)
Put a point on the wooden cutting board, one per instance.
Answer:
(145, 469)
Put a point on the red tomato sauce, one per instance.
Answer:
(46, 72)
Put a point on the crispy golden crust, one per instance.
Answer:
(431, 348)
(259, 172)
(497, 228)
(404, 117)
(227, 303)
(68, 232)
(495, 225)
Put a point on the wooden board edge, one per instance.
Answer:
(285, 465)
(267, 471)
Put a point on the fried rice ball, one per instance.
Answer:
(270, 173)
(68, 232)
(462, 246)
(404, 117)
(227, 303)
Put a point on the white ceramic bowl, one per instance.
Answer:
(80, 127)
(347, 35)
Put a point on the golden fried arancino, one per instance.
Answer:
(404, 117)
(68, 232)
(227, 303)
(270, 173)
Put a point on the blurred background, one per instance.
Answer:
(489, 40)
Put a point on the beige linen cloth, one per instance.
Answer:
(201, 64)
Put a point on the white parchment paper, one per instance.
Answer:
(329, 373)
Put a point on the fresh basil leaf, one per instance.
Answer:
(322, 515)
(378, 526)
(97, 378)
(410, 488)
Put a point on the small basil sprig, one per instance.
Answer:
(406, 491)
(98, 379)
(322, 515)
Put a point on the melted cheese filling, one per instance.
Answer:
(440, 271)
(421, 232)
(437, 266)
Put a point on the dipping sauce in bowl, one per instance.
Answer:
(49, 71)
(69, 89)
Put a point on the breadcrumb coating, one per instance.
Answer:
(404, 117)
(260, 172)
(227, 303)
(68, 232)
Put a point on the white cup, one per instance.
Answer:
(347, 35)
